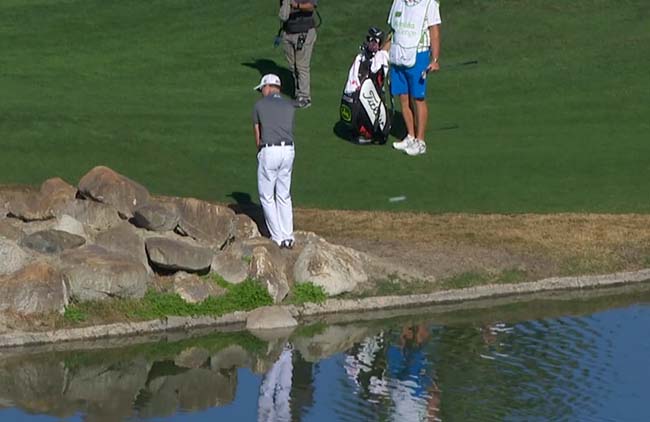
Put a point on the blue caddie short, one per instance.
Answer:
(408, 80)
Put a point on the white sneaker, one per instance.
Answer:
(417, 147)
(404, 143)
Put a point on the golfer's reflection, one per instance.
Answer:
(273, 404)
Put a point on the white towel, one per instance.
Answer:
(407, 21)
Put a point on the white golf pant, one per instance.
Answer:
(274, 167)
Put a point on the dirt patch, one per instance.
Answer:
(448, 245)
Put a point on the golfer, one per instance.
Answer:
(273, 125)
(414, 52)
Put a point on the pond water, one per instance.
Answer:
(569, 356)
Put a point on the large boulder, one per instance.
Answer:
(175, 255)
(94, 273)
(230, 267)
(269, 269)
(52, 241)
(206, 222)
(96, 215)
(123, 239)
(12, 257)
(109, 187)
(245, 227)
(36, 288)
(157, 216)
(337, 269)
(194, 289)
(269, 318)
(53, 196)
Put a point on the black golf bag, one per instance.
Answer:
(364, 111)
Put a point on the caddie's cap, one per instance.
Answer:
(268, 79)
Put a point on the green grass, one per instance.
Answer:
(553, 118)
(307, 292)
(239, 297)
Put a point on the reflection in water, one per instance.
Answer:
(483, 365)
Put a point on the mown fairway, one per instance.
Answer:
(553, 118)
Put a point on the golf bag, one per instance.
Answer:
(363, 107)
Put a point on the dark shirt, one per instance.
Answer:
(301, 20)
(275, 116)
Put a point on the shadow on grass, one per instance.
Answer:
(245, 205)
(264, 66)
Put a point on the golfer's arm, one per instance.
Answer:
(434, 36)
(256, 129)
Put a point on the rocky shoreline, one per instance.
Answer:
(109, 239)
(239, 320)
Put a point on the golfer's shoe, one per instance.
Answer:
(303, 102)
(417, 147)
(287, 244)
(404, 143)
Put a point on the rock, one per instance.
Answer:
(245, 227)
(53, 196)
(93, 214)
(57, 193)
(10, 231)
(244, 248)
(230, 267)
(109, 187)
(94, 273)
(335, 268)
(269, 317)
(269, 270)
(194, 289)
(206, 222)
(67, 224)
(52, 241)
(193, 357)
(123, 239)
(11, 193)
(12, 257)
(36, 288)
(157, 216)
(169, 254)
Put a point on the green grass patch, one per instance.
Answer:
(306, 292)
(239, 297)
(542, 124)
(74, 314)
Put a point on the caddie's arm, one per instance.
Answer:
(303, 7)
(389, 38)
(256, 129)
(434, 36)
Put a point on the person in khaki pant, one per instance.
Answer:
(298, 39)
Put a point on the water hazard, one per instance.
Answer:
(573, 357)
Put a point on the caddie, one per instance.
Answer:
(273, 118)
(414, 52)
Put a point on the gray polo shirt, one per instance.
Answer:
(275, 115)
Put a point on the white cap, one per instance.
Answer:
(268, 79)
